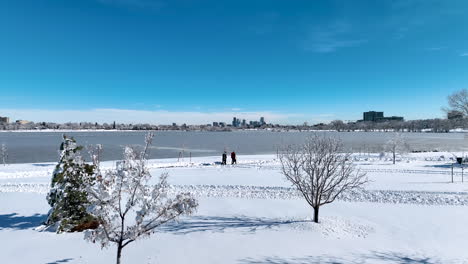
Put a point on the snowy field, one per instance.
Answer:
(410, 212)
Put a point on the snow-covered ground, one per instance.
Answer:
(410, 212)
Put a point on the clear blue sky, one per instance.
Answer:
(292, 61)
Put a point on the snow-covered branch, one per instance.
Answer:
(128, 207)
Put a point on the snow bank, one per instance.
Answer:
(269, 192)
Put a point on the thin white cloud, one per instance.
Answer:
(144, 116)
(332, 37)
(407, 17)
(464, 54)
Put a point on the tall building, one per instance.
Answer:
(262, 120)
(236, 122)
(244, 123)
(4, 119)
(372, 116)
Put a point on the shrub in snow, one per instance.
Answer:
(397, 145)
(67, 195)
(127, 207)
(381, 155)
(320, 170)
(4, 154)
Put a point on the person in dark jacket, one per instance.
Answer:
(224, 158)
(233, 158)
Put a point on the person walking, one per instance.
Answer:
(233, 158)
(224, 158)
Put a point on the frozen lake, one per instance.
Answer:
(29, 147)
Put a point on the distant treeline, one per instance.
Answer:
(427, 125)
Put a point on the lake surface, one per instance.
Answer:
(32, 147)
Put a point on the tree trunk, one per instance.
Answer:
(119, 252)
(316, 214)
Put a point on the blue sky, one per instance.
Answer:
(199, 61)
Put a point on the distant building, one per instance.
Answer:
(22, 122)
(236, 122)
(244, 123)
(222, 124)
(454, 115)
(391, 118)
(4, 119)
(174, 124)
(254, 123)
(262, 121)
(215, 124)
(373, 116)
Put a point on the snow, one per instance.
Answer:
(410, 212)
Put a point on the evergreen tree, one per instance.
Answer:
(67, 195)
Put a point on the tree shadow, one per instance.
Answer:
(43, 164)
(399, 258)
(15, 221)
(303, 260)
(373, 257)
(441, 166)
(60, 261)
(220, 224)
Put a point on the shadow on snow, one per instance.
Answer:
(43, 164)
(220, 224)
(373, 257)
(60, 261)
(442, 166)
(15, 221)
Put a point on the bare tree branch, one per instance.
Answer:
(320, 170)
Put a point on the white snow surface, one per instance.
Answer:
(410, 212)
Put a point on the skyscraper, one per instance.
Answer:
(372, 116)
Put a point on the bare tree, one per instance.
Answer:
(338, 125)
(397, 145)
(458, 101)
(320, 170)
(4, 154)
(127, 207)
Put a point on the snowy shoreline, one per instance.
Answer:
(427, 131)
(410, 210)
(285, 193)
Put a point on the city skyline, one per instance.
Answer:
(235, 121)
(184, 61)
